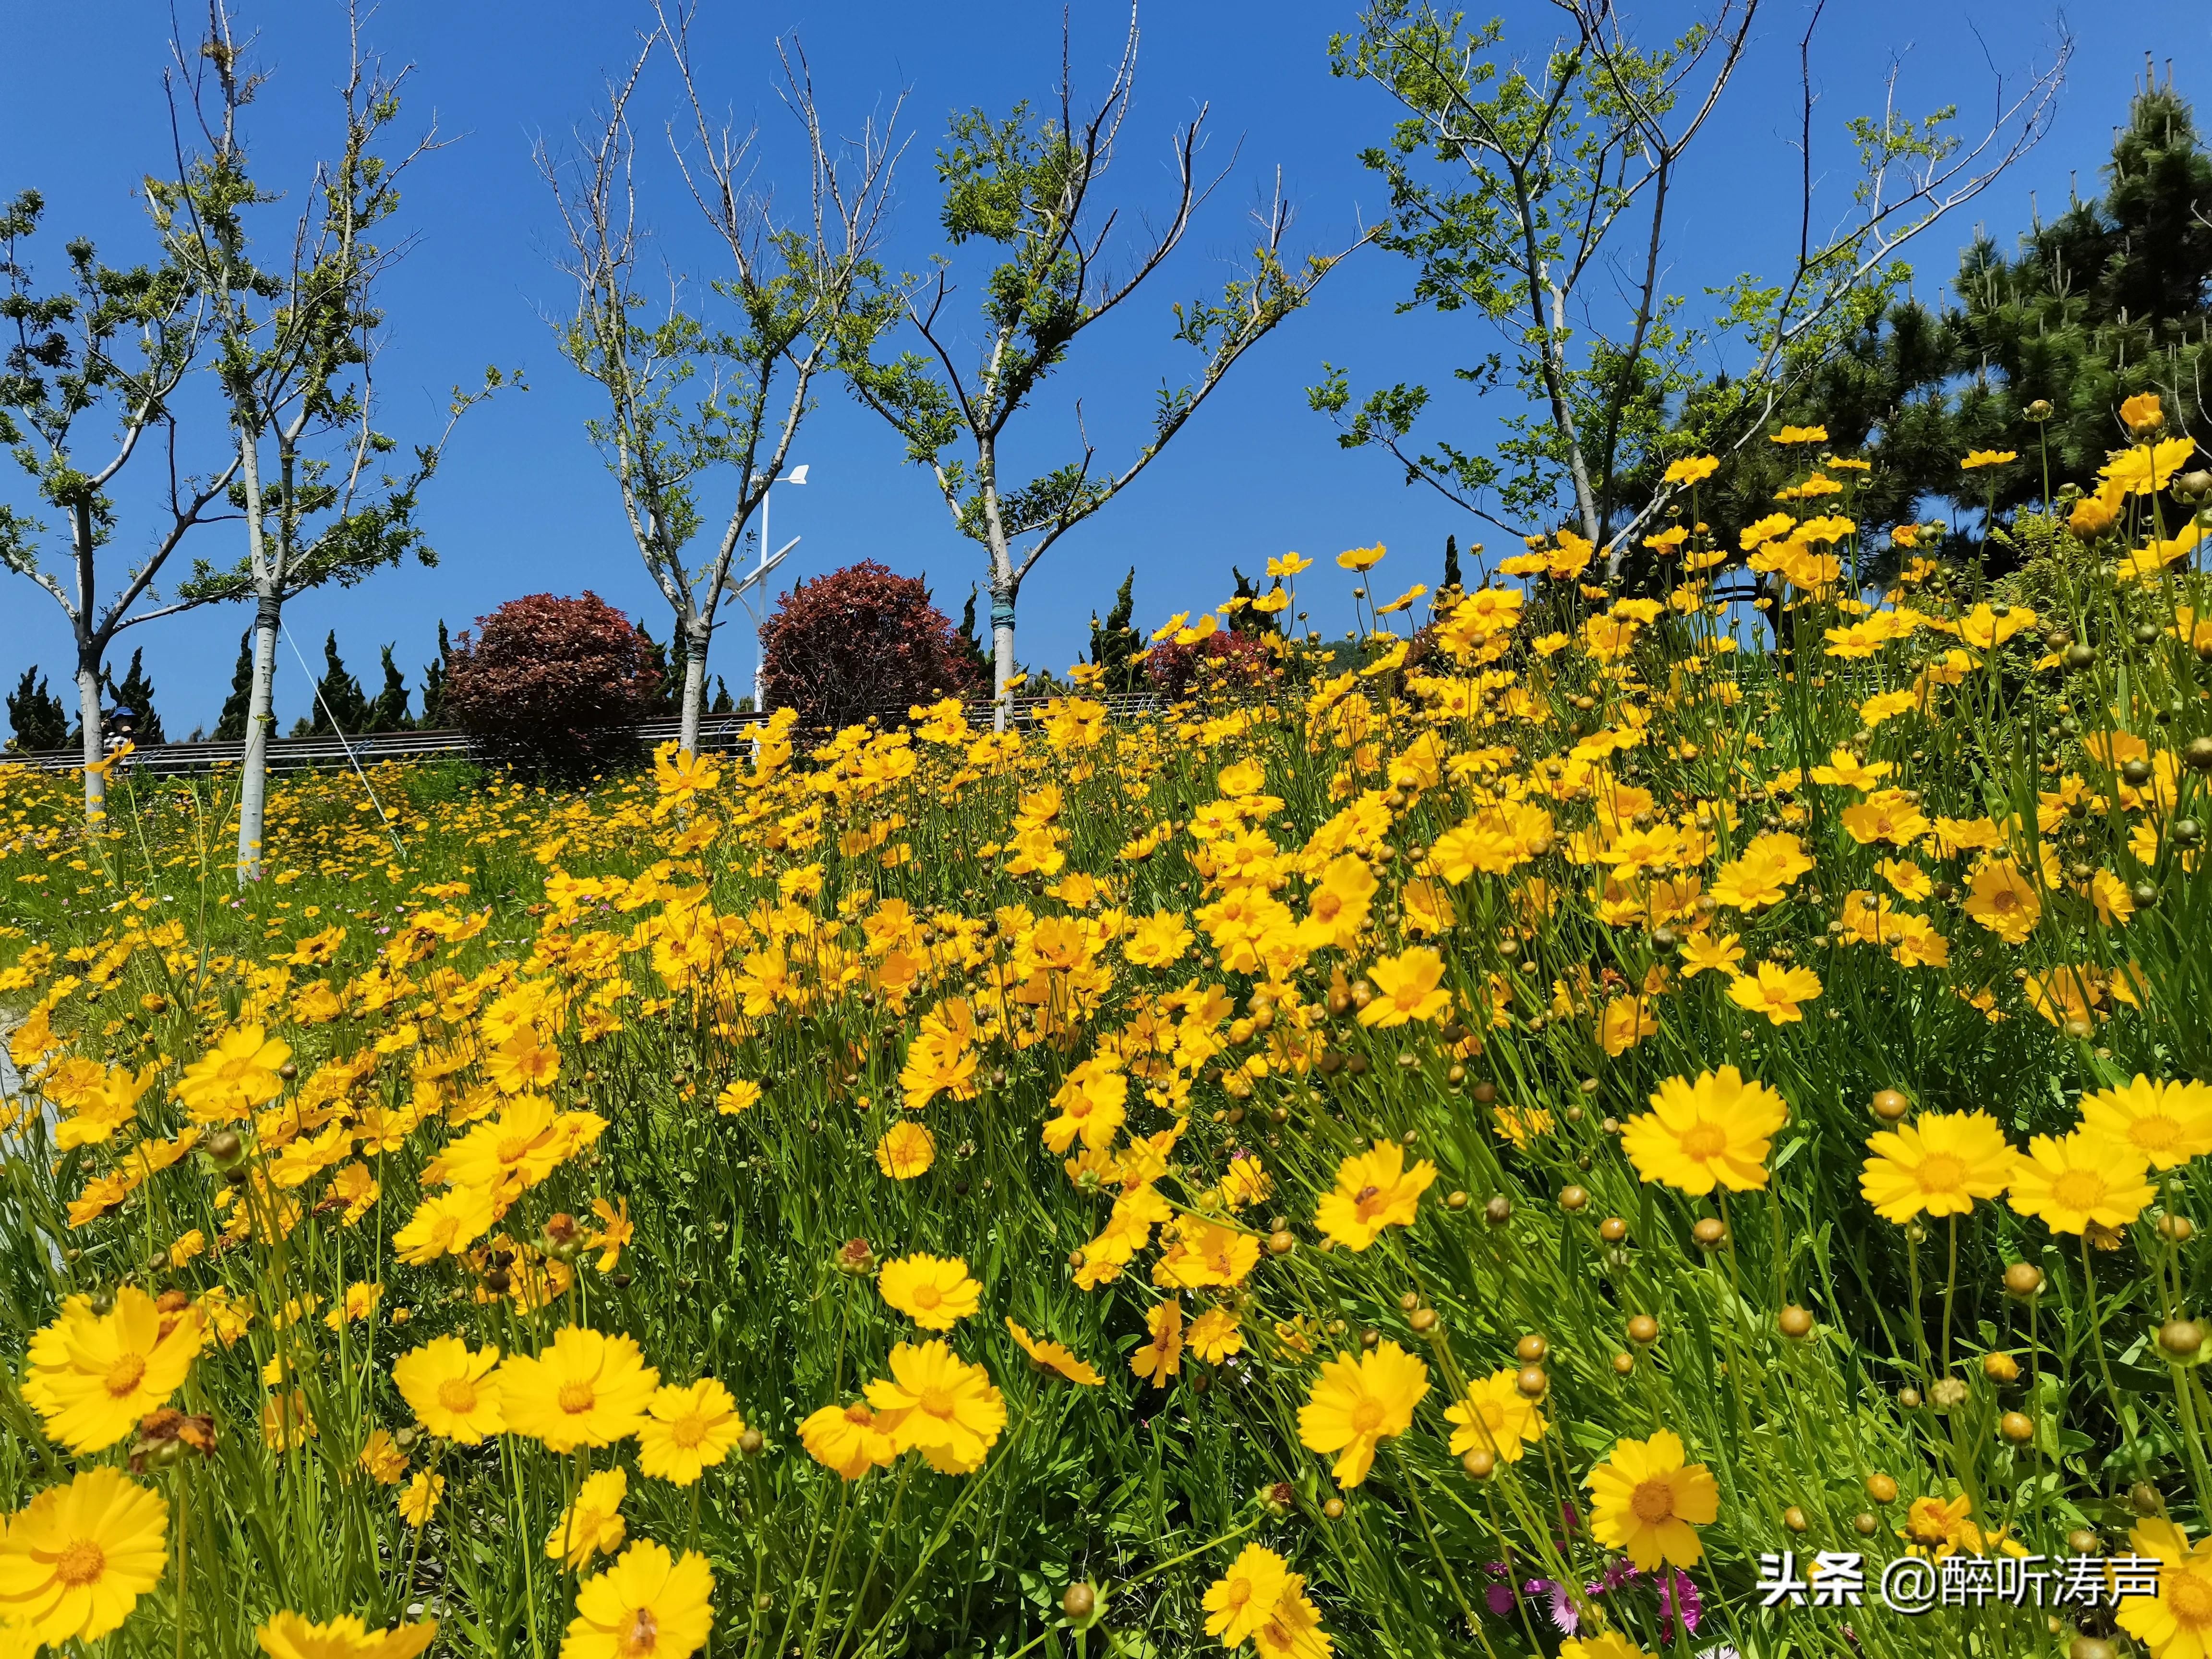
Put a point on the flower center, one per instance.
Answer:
(513, 1149)
(126, 1373)
(1652, 1502)
(1240, 1591)
(641, 1635)
(1942, 1173)
(81, 1564)
(2188, 1596)
(859, 1415)
(458, 1394)
(1705, 1140)
(687, 1431)
(2079, 1189)
(576, 1398)
(927, 1295)
(2154, 1134)
(938, 1402)
(1367, 1417)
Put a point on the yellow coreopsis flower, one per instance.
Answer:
(2003, 900)
(687, 1431)
(1243, 1599)
(289, 1636)
(1054, 1357)
(74, 1563)
(1647, 1502)
(849, 1439)
(2176, 1622)
(586, 1388)
(1357, 1404)
(1407, 988)
(933, 1291)
(1360, 559)
(1374, 1190)
(647, 1603)
(235, 1076)
(594, 1524)
(941, 1406)
(2167, 1124)
(92, 1376)
(1939, 1166)
(1161, 1357)
(1775, 991)
(1495, 1416)
(451, 1390)
(906, 1151)
(1713, 1132)
(2072, 1182)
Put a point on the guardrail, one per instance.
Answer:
(718, 734)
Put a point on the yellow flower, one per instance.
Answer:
(451, 1390)
(1775, 991)
(687, 1430)
(1054, 1357)
(445, 1223)
(2176, 1623)
(933, 1291)
(1691, 469)
(2074, 1182)
(1495, 1416)
(2167, 1123)
(906, 1151)
(1982, 457)
(287, 1636)
(381, 1460)
(648, 1605)
(1214, 1335)
(586, 1390)
(1091, 1105)
(1800, 434)
(1356, 1404)
(1243, 1599)
(92, 1376)
(1608, 1645)
(1161, 1357)
(2140, 413)
(1292, 1630)
(945, 1407)
(239, 1074)
(522, 1146)
(1646, 1502)
(1405, 987)
(739, 1095)
(420, 1501)
(1711, 1132)
(1374, 1190)
(74, 1563)
(850, 1439)
(1361, 559)
(2003, 899)
(1940, 1165)
(594, 1524)
(1702, 951)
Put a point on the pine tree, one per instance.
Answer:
(36, 715)
(1113, 647)
(230, 725)
(970, 643)
(340, 703)
(723, 703)
(434, 682)
(1451, 562)
(135, 693)
(389, 712)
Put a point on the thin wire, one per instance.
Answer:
(395, 847)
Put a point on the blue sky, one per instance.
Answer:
(524, 504)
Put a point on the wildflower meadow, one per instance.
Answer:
(1521, 1135)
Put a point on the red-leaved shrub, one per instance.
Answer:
(552, 684)
(860, 642)
(1237, 659)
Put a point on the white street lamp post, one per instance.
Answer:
(752, 585)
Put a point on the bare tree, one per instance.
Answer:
(298, 339)
(1534, 174)
(118, 344)
(1027, 183)
(691, 399)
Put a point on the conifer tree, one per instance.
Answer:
(1113, 647)
(135, 693)
(37, 716)
(1451, 562)
(230, 725)
(340, 703)
(389, 712)
(434, 682)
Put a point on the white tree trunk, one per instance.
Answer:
(1002, 660)
(253, 784)
(268, 617)
(88, 703)
(695, 687)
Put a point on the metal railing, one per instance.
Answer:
(718, 734)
